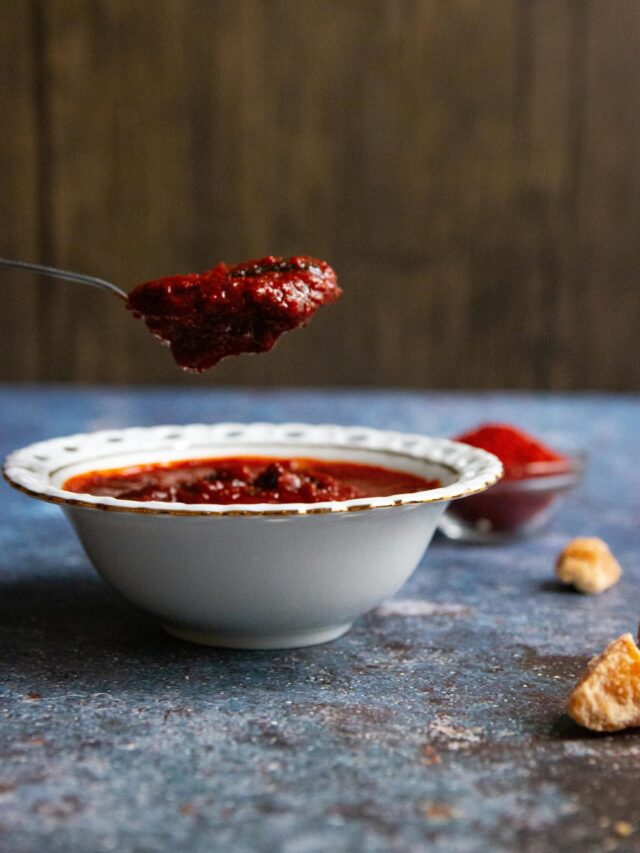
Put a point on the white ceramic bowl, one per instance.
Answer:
(257, 575)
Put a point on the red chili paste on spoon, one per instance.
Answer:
(230, 310)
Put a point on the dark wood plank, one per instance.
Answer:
(120, 206)
(606, 314)
(19, 178)
(470, 167)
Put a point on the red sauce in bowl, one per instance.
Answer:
(248, 480)
(230, 310)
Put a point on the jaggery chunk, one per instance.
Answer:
(587, 564)
(607, 698)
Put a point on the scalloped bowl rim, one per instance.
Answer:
(30, 469)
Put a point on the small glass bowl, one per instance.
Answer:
(514, 507)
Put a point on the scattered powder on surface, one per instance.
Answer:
(455, 736)
(420, 607)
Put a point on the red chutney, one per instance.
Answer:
(248, 480)
(230, 310)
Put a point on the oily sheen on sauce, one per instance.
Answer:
(248, 480)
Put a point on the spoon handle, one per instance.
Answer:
(68, 276)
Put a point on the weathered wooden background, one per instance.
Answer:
(470, 167)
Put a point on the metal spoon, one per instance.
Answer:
(68, 276)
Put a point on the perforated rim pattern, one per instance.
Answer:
(31, 468)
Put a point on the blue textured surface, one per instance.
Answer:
(437, 723)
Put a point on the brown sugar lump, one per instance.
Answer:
(587, 564)
(607, 698)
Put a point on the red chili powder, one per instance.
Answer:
(516, 449)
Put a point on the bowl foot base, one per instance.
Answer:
(286, 640)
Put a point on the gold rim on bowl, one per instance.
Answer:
(30, 469)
